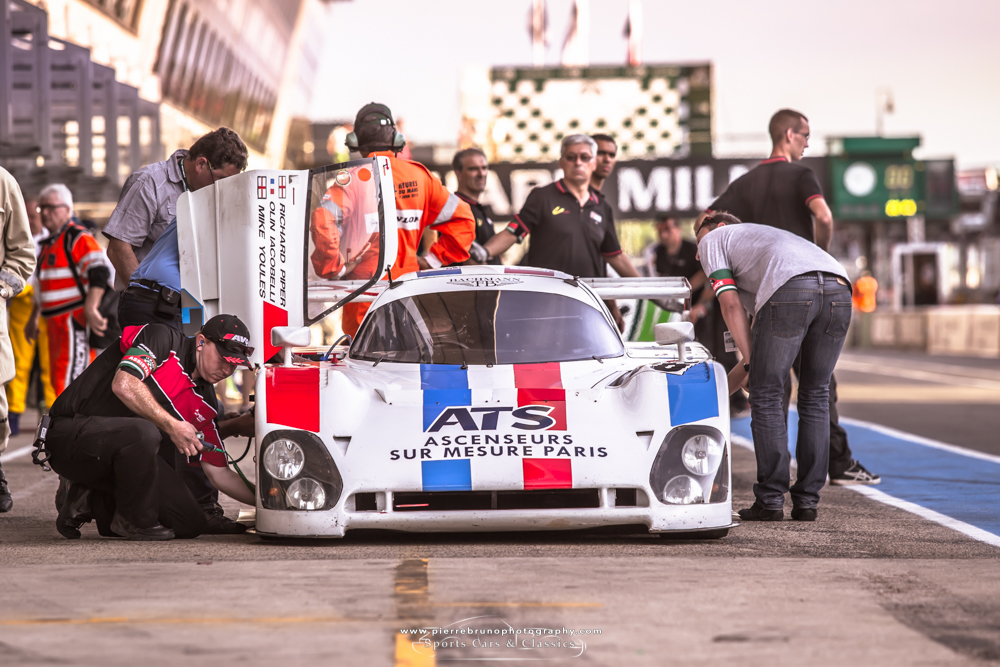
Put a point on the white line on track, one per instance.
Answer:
(936, 377)
(920, 440)
(15, 454)
(942, 519)
(953, 370)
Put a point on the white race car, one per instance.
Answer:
(473, 398)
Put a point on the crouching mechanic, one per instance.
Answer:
(800, 300)
(114, 428)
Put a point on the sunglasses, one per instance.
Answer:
(572, 157)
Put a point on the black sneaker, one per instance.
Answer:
(758, 513)
(856, 474)
(6, 501)
(218, 524)
(122, 528)
(804, 513)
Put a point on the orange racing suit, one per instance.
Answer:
(62, 294)
(422, 201)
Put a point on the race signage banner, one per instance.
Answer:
(636, 189)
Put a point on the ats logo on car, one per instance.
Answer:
(528, 418)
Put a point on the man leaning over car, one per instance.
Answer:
(800, 300)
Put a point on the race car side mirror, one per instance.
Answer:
(289, 337)
(674, 333)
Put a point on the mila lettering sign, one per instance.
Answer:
(636, 189)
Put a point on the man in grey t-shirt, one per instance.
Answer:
(800, 300)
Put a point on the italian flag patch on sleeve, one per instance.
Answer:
(722, 281)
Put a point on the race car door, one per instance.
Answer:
(255, 244)
(352, 238)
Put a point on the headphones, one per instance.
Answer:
(382, 116)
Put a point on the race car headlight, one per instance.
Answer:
(691, 467)
(683, 490)
(297, 472)
(702, 454)
(283, 459)
(306, 494)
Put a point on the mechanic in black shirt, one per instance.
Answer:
(115, 427)
(607, 156)
(783, 193)
(471, 170)
(572, 229)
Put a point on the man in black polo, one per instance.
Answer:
(471, 170)
(115, 428)
(607, 155)
(572, 230)
(781, 192)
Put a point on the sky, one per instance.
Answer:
(825, 58)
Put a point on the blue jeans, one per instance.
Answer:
(808, 314)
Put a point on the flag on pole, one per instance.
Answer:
(575, 52)
(633, 30)
(538, 29)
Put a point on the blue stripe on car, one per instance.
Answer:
(454, 475)
(443, 386)
(693, 396)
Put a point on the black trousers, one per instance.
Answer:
(841, 457)
(120, 459)
(136, 309)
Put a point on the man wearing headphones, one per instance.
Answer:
(422, 202)
(115, 429)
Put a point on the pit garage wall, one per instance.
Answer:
(969, 331)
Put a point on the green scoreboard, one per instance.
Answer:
(876, 178)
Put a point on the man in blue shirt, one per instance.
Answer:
(159, 273)
(147, 204)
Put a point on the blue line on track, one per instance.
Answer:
(963, 487)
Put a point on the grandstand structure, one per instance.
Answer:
(652, 111)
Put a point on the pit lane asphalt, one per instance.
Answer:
(866, 583)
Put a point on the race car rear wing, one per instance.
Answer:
(605, 288)
(639, 288)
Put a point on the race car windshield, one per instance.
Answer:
(480, 327)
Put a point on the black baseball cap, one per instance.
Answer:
(373, 113)
(232, 338)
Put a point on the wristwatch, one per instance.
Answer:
(746, 367)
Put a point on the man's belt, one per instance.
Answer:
(168, 300)
(828, 274)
